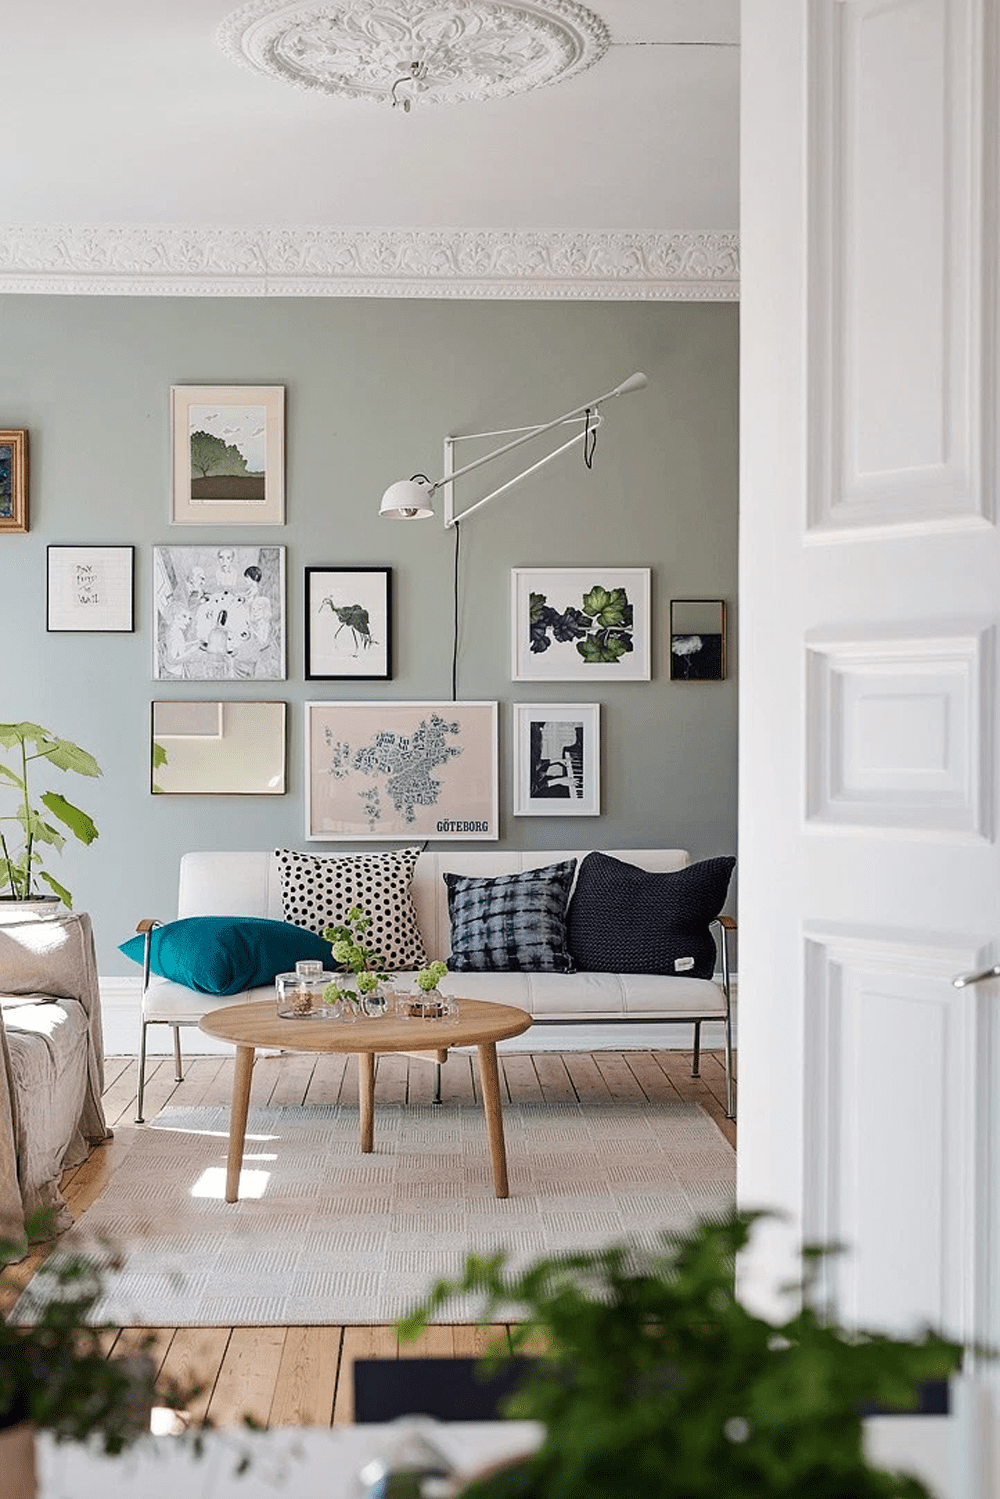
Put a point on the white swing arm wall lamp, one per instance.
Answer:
(410, 499)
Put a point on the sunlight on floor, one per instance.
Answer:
(212, 1182)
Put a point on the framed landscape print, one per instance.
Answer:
(557, 759)
(697, 640)
(348, 623)
(218, 613)
(228, 455)
(90, 588)
(14, 480)
(401, 770)
(580, 624)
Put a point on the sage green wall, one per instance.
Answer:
(371, 389)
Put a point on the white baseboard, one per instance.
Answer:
(120, 1014)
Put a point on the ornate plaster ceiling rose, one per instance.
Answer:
(444, 51)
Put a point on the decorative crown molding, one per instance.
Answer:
(320, 261)
(443, 51)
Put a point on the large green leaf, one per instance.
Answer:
(8, 775)
(14, 733)
(79, 824)
(39, 830)
(66, 756)
(56, 888)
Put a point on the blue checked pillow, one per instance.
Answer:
(513, 922)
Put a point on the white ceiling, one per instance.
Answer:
(117, 112)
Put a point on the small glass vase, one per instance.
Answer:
(429, 1004)
(375, 1003)
(299, 995)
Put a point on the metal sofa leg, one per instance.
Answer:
(730, 1085)
(141, 1088)
(437, 1082)
(178, 1069)
(696, 1064)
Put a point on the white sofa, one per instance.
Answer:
(247, 884)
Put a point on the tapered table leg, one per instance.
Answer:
(366, 1100)
(489, 1078)
(238, 1119)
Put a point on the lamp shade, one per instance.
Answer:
(407, 499)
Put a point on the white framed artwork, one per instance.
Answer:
(218, 613)
(228, 455)
(580, 624)
(557, 759)
(378, 770)
(90, 588)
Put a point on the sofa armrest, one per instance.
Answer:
(146, 927)
(726, 925)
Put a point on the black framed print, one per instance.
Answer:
(90, 588)
(557, 759)
(348, 624)
(697, 640)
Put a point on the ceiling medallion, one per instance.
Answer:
(408, 51)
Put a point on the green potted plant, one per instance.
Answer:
(56, 1375)
(347, 942)
(659, 1384)
(21, 857)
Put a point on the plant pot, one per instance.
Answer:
(17, 1462)
(11, 907)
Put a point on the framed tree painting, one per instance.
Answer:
(228, 455)
(218, 613)
(90, 588)
(401, 770)
(348, 624)
(557, 759)
(697, 640)
(14, 480)
(580, 624)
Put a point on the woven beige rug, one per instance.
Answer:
(323, 1234)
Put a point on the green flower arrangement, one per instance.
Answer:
(428, 978)
(347, 943)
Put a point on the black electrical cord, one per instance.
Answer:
(454, 623)
(589, 441)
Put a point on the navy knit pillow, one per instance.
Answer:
(623, 919)
(514, 922)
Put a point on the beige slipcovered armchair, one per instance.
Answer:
(51, 1061)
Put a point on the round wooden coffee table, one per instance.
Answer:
(479, 1024)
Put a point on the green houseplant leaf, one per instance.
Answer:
(29, 744)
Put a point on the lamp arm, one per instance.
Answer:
(451, 519)
(634, 382)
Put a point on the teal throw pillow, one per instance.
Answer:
(226, 954)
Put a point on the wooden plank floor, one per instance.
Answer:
(301, 1376)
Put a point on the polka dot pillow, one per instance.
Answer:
(318, 890)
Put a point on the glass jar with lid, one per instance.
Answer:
(300, 994)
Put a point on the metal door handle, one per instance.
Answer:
(966, 980)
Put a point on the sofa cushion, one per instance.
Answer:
(513, 922)
(224, 955)
(317, 891)
(622, 919)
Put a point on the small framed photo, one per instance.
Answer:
(580, 624)
(218, 613)
(90, 588)
(14, 480)
(228, 455)
(401, 770)
(697, 640)
(348, 624)
(557, 759)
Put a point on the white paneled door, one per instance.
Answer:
(870, 595)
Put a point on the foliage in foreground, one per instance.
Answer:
(659, 1384)
(36, 830)
(55, 1370)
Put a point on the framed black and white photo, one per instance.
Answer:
(90, 588)
(557, 759)
(580, 624)
(218, 613)
(697, 640)
(228, 452)
(348, 624)
(401, 770)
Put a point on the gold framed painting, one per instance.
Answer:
(14, 479)
(228, 455)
